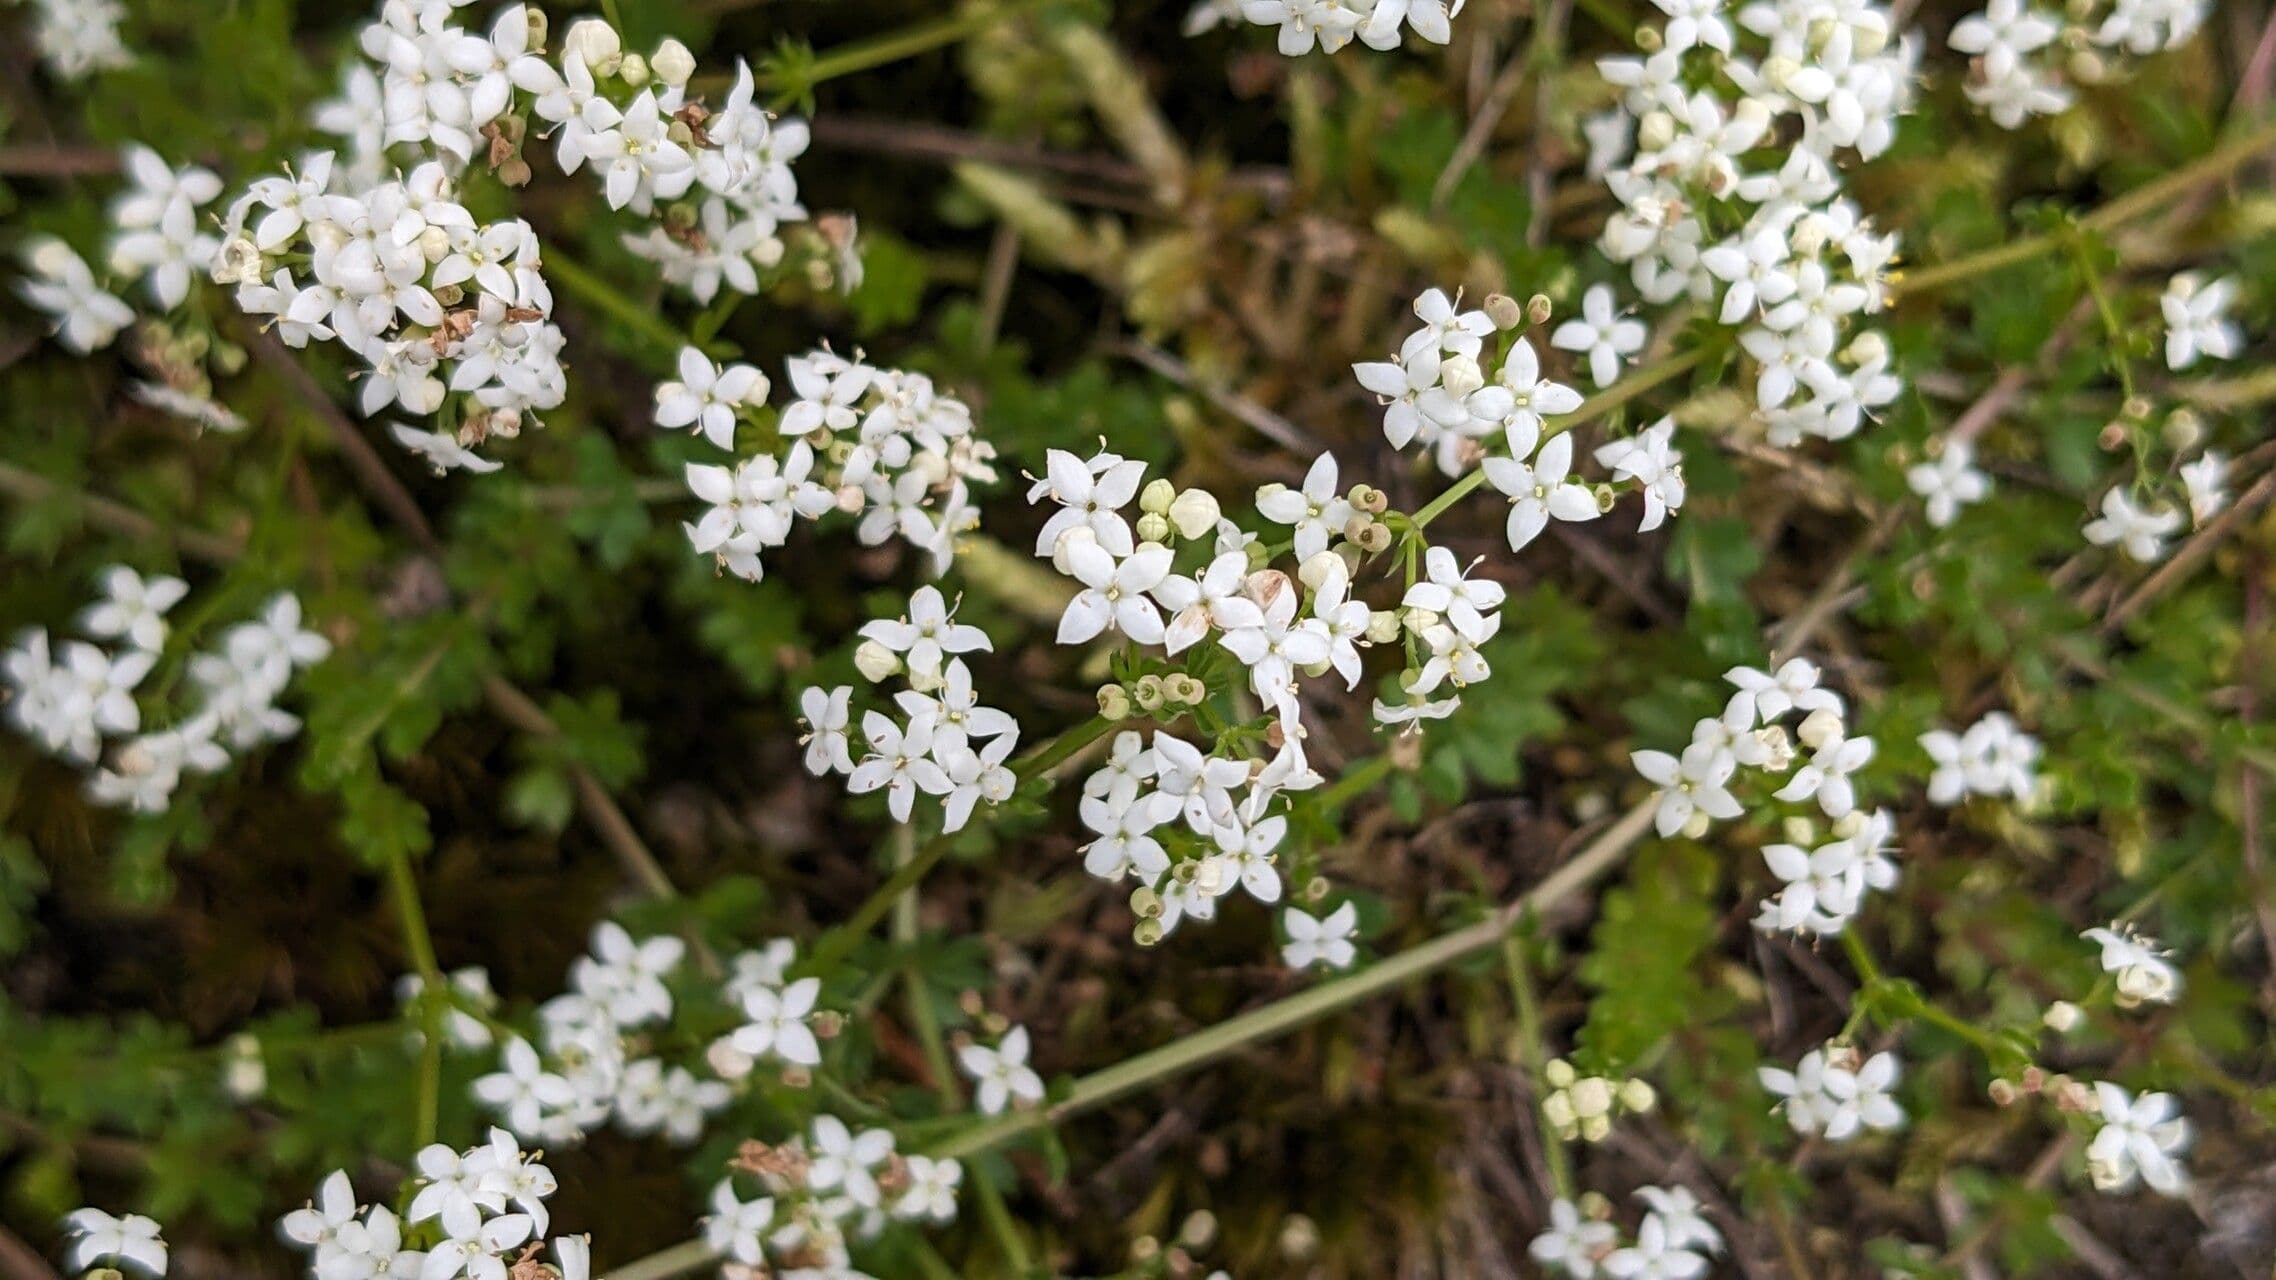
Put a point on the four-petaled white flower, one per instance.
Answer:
(1949, 482)
(2144, 971)
(2140, 533)
(132, 1240)
(2141, 1138)
(1002, 1073)
(1603, 336)
(1319, 940)
(2197, 321)
(1651, 459)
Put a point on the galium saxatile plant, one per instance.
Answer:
(1225, 640)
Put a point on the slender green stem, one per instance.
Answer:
(998, 1216)
(865, 55)
(2218, 163)
(921, 1018)
(411, 917)
(1285, 1015)
(1534, 1051)
(645, 321)
(835, 944)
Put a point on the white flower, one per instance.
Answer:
(777, 1023)
(2001, 34)
(1949, 482)
(1826, 776)
(927, 635)
(524, 1093)
(2140, 1138)
(2140, 534)
(843, 1159)
(931, 1195)
(1002, 1073)
(1216, 598)
(1575, 1245)
(1604, 337)
(1652, 461)
(1114, 594)
(441, 450)
(134, 609)
(1091, 495)
(1318, 512)
(1540, 491)
(132, 1240)
(1323, 940)
(706, 397)
(85, 317)
(1794, 686)
(2206, 482)
(824, 713)
(1828, 1093)
(736, 1228)
(2197, 322)
(1679, 1215)
(1698, 782)
(2144, 975)
(1653, 1257)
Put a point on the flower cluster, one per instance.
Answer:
(434, 303)
(820, 1193)
(1675, 1241)
(78, 37)
(1740, 199)
(1835, 1092)
(488, 1202)
(949, 745)
(717, 183)
(1329, 25)
(1435, 391)
(1993, 757)
(1582, 1108)
(2023, 58)
(885, 445)
(591, 1066)
(1695, 787)
(69, 697)
(157, 235)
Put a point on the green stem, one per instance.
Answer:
(998, 1216)
(586, 284)
(433, 1000)
(2149, 197)
(835, 944)
(1285, 1015)
(864, 55)
(1535, 1053)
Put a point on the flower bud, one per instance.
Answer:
(540, 26)
(1596, 1128)
(1382, 626)
(1696, 825)
(633, 70)
(875, 661)
(1460, 375)
(1153, 527)
(1195, 513)
(1539, 308)
(1559, 1073)
(1156, 497)
(672, 63)
(1557, 1109)
(1655, 131)
(726, 1061)
(2003, 1092)
(1506, 312)
(2062, 1017)
(1592, 1096)
(434, 243)
(1318, 569)
(595, 43)
(1638, 1096)
(1059, 548)
(1199, 1230)
(2183, 429)
(1819, 728)
(245, 1075)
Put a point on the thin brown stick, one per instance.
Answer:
(2193, 553)
(116, 517)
